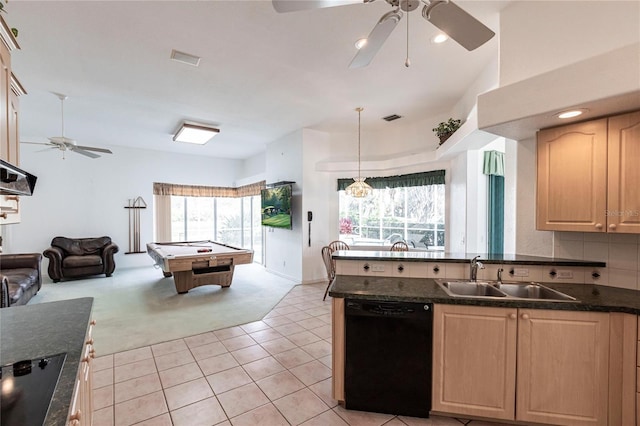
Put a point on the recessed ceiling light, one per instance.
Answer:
(185, 58)
(361, 43)
(440, 38)
(571, 113)
(195, 133)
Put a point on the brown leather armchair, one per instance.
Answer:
(80, 257)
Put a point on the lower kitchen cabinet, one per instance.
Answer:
(562, 364)
(81, 412)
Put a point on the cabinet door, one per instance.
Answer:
(338, 352)
(623, 209)
(563, 361)
(5, 89)
(572, 177)
(474, 361)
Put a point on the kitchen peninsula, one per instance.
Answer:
(41, 331)
(534, 361)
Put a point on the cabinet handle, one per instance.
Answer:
(75, 417)
(512, 316)
(525, 316)
(90, 341)
(93, 322)
(613, 226)
(598, 226)
(436, 269)
(595, 274)
(400, 268)
(366, 267)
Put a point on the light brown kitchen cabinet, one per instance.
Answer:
(562, 364)
(474, 361)
(587, 176)
(338, 348)
(10, 90)
(81, 411)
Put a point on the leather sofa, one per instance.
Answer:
(80, 257)
(20, 278)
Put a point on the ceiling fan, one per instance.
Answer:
(66, 144)
(444, 14)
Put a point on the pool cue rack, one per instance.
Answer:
(134, 206)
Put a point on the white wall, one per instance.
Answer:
(283, 246)
(83, 197)
(317, 195)
(536, 37)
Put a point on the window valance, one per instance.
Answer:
(493, 163)
(207, 191)
(434, 177)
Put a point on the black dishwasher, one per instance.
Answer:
(388, 357)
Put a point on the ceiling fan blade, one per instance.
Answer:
(376, 39)
(91, 148)
(284, 6)
(457, 24)
(85, 153)
(36, 143)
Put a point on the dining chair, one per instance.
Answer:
(338, 245)
(400, 246)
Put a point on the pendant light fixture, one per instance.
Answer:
(359, 188)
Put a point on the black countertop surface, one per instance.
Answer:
(33, 331)
(590, 297)
(440, 256)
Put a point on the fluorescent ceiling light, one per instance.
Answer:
(195, 133)
(572, 113)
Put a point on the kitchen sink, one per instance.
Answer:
(470, 289)
(508, 290)
(532, 291)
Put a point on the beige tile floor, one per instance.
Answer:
(272, 372)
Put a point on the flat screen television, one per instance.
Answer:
(275, 206)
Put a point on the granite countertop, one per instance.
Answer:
(38, 330)
(590, 297)
(440, 256)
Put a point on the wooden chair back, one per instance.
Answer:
(338, 245)
(328, 263)
(400, 246)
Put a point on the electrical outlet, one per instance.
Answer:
(520, 272)
(377, 268)
(564, 274)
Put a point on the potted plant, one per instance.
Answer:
(13, 30)
(446, 129)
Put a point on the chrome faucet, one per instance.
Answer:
(475, 265)
(500, 270)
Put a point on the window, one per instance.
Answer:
(415, 214)
(192, 213)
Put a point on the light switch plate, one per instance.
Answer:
(564, 274)
(520, 272)
(377, 268)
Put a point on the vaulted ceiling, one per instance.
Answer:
(262, 74)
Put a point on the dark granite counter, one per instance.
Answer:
(38, 330)
(590, 297)
(440, 256)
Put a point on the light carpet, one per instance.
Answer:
(139, 307)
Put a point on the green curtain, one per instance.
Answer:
(435, 177)
(496, 215)
(493, 163)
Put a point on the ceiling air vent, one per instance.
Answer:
(185, 58)
(391, 117)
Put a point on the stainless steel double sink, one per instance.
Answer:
(502, 290)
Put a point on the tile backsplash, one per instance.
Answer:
(621, 252)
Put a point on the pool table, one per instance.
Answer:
(196, 263)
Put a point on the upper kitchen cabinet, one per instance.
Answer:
(623, 195)
(588, 177)
(10, 89)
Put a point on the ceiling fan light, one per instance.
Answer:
(198, 134)
(439, 38)
(360, 43)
